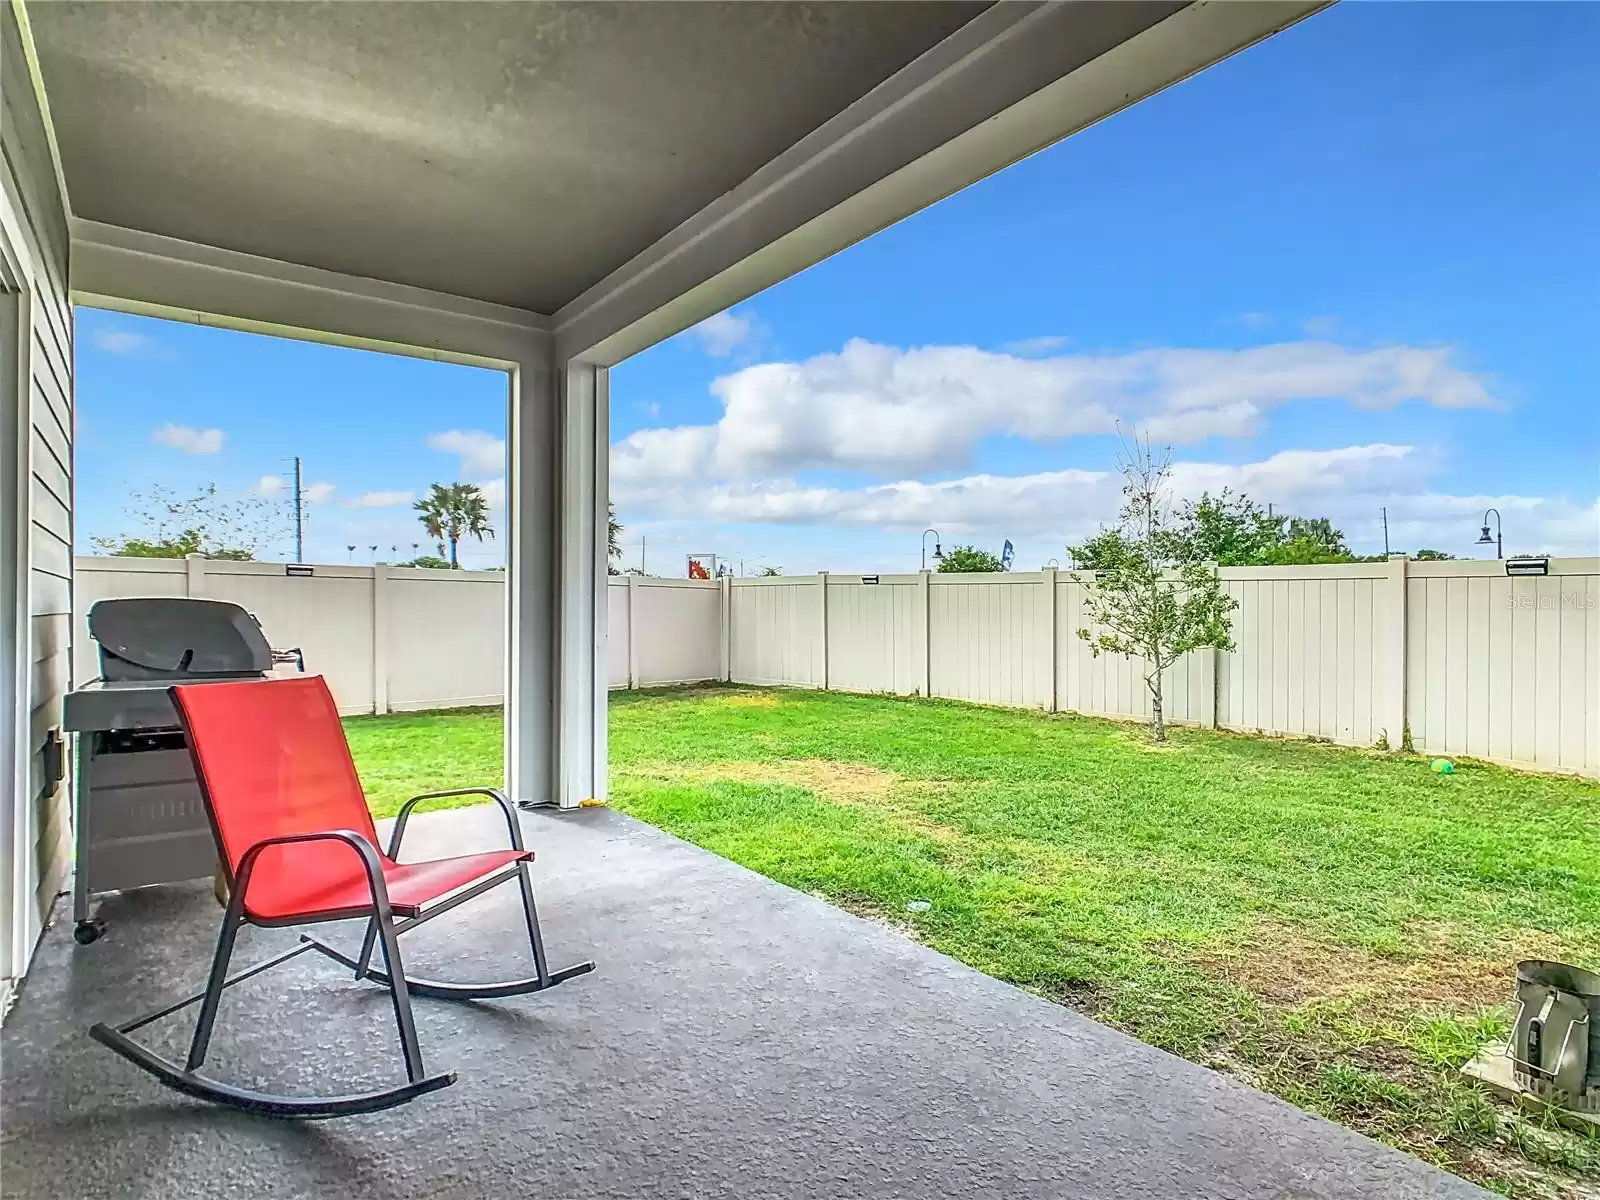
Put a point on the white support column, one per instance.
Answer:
(583, 404)
(822, 624)
(530, 519)
(380, 639)
(1050, 634)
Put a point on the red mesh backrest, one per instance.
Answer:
(272, 760)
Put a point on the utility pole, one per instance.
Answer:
(641, 554)
(1385, 511)
(299, 516)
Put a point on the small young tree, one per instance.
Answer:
(1160, 601)
(969, 558)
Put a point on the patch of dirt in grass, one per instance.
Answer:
(871, 912)
(1287, 968)
(838, 782)
(721, 695)
(1080, 995)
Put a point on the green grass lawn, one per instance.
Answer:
(1330, 925)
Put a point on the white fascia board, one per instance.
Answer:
(128, 270)
(1014, 80)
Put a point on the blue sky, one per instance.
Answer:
(1354, 267)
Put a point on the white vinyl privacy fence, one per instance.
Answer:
(1474, 662)
(402, 639)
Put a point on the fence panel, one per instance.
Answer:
(1307, 658)
(1505, 668)
(444, 645)
(776, 634)
(328, 615)
(875, 634)
(678, 627)
(987, 638)
(619, 633)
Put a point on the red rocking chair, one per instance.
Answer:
(298, 846)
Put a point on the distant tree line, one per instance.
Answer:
(1232, 530)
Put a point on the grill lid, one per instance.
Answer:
(164, 637)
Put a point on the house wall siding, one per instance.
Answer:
(36, 224)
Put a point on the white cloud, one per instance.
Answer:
(187, 439)
(722, 334)
(269, 485)
(1321, 327)
(494, 491)
(1256, 320)
(318, 493)
(481, 453)
(121, 341)
(1348, 484)
(890, 411)
(381, 499)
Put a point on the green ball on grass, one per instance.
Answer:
(1443, 766)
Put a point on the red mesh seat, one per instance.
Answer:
(273, 761)
(412, 886)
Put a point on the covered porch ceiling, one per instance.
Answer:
(613, 172)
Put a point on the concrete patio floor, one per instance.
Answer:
(737, 1039)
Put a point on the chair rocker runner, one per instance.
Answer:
(298, 847)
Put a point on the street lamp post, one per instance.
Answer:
(938, 554)
(1485, 540)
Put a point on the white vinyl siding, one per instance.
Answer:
(37, 216)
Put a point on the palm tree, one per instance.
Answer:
(452, 511)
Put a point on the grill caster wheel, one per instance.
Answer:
(88, 931)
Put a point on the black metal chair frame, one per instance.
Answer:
(382, 930)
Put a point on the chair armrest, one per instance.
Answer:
(495, 794)
(364, 850)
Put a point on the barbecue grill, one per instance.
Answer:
(140, 819)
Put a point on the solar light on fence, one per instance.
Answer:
(1528, 565)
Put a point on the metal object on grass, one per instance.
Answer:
(1554, 1046)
